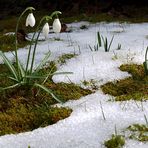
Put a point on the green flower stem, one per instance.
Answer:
(28, 58)
(38, 29)
(55, 13)
(16, 30)
(34, 51)
(29, 52)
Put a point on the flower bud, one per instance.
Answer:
(45, 30)
(56, 25)
(30, 20)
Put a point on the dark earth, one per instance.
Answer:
(112, 7)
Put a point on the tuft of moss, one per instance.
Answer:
(21, 117)
(92, 84)
(134, 87)
(138, 132)
(69, 91)
(62, 59)
(24, 108)
(7, 43)
(116, 141)
(137, 71)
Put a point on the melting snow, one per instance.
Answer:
(86, 128)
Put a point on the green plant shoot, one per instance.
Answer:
(145, 63)
(28, 76)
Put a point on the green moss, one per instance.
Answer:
(92, 84)
(137, 71)
(62, 59)
(50, 68)
(24, 109)
(7, 43)
(117, 141)
(135, 131)
(22, 116)
(68, 91)
(138, 132)
(134, 87)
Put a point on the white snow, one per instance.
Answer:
(86, 128)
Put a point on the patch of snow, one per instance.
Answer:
(86, 128)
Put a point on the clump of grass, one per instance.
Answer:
(106, 43)
(23, 109)
(57, 39)
(116, 141)
(119, 46)
(83, 27)
(7, 43)
(92, 84)
(102, 42)
(134, 87)
(138, 132)
(62, 59)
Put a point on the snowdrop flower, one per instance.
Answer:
(45, 30)
(30, 20)
(56, 25)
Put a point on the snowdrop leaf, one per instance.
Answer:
(48, 91)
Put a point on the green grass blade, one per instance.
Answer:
(97, 47)
(35, 77)
(9, 65)
(145, 64)
(106, 45)
(146, 54)
(90, 48)
(21, 68)
(110, 42)
(12, 78)
(99, 39)
(49, 74)
(3, 75)
(61, 73)
(48, 91)
(103, 39)
(146, 120)
(34, 51)
(12, 86)
(43, 62)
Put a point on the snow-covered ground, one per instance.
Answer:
(86, 128)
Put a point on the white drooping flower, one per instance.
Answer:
(56, 25)
(30, 20)
(45, 30)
